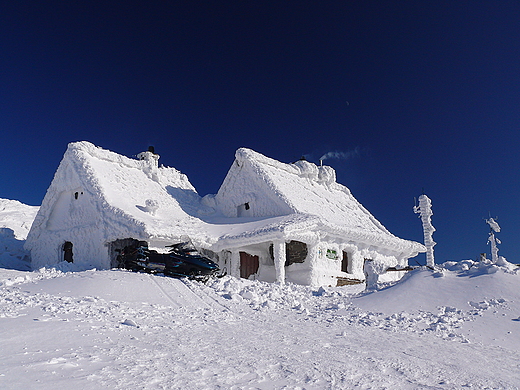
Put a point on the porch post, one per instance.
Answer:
(234, 264)
(314, 269)
(279, 260)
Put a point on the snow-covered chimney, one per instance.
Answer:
(149, 156)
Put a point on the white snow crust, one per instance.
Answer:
(17, 216)
(15, 221)
(425, 211)
(98, 196)
(454, 328)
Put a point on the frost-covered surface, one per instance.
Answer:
(98, 197)
(102, 196)
(425, 211)
(273, 188)
(492, 240)
(17, 216)
(15, 221)
(457, 328)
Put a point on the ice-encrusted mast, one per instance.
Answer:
(425, 210)
(494, 228)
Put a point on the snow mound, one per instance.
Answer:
(17, 216)
(16, 219)
(475, 268)
(466, 300)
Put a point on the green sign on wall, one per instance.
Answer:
(332, 254)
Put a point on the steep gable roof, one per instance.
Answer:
(125, 194)
(304, 188)
(120, 197)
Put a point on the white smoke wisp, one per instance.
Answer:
(341, 155)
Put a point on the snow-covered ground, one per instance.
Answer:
(455, 328)
(122, 330)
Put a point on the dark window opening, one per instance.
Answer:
(244, 210)
(67, 252)
(76, 194)
(344, 262)
(295, 252)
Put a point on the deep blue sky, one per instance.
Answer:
(426, 93)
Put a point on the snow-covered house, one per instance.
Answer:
(319, 233)
(269, 220)
(99, 200)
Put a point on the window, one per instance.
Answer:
(344, 262)
(67, 252)
(77, 194)
(295, 252)
(244, 210)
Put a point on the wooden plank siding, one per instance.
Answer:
(248, 265)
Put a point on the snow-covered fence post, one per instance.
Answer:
(425, 210)
(279, 260)
(494, 228)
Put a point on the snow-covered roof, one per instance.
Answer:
(304, 188)
(140, 199)
(136, 196)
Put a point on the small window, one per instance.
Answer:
(244, 210)
(67, 252)
(344, 262)
(77, 194)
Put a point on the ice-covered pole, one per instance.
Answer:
(425, 210)
(494, 227)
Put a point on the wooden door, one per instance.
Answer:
(248, 265)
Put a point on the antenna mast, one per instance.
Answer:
(425, 210)
(494, 227)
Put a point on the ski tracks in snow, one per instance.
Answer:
(177, 293)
